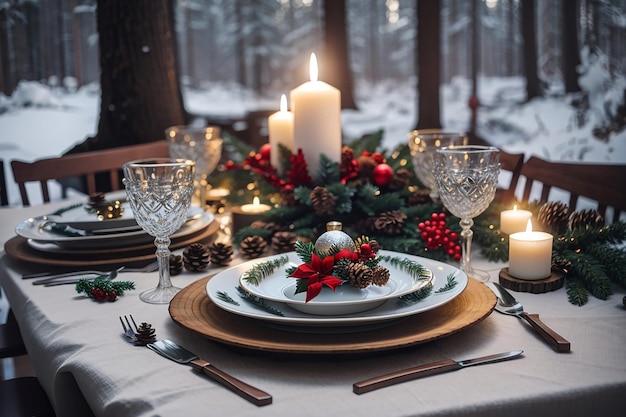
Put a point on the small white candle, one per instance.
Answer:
(512, 221)
(316, 108)
(280, 125)
(255, 208)
(530, 254)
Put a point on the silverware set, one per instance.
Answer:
(179, 354)
(53, 279)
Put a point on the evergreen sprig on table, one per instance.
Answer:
(103, 289)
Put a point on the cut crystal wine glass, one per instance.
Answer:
(467, 177)
(159, 192)
(423, 143)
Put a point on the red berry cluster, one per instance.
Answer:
(99, 295)
(436, 235)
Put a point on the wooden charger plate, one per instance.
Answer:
(18, 248)
(191, 308)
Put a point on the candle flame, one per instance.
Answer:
(515, 208)
(313, 67)
(283, 103)
(256, 202)
(529, 226)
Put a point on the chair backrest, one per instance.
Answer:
(601, 183)
(4, 198)
(511, 162)
(85, 164)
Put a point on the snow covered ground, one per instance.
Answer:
(37, 121)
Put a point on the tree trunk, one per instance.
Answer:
(335, 69)
(6, 79)
(428, 64)
(569, 45)
(533, 86)
(139, 81)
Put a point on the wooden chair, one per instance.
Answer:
(512, 163)
(4, 198)
(85, 165)
(603, 184)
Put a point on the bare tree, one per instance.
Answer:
(139, 80)
(569, 45)
(428, 64)
(533, 85)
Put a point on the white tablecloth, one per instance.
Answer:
(86, 367)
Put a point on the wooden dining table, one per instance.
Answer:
(87, 368)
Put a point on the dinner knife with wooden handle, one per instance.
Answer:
(421, 371)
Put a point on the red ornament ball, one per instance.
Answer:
(382, 175)
(265, 152)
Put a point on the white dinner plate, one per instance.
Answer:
(345, 299)
(40, 238)
(227, 281)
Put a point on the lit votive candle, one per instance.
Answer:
(248, 213)
(530, 254)
(513, 221)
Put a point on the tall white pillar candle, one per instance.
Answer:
(530, 254)
(280, 125)
(316, 108)
(512, 221)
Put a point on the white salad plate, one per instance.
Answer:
(345, 299)
(222, 291)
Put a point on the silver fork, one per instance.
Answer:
(129, 333)
(47, 276)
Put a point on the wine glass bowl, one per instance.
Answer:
(423, 143)
(467, 178)
(203, 145)
(159, 192)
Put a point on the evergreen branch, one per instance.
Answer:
(576, 292)
(259, 302)
(65, 209)
(304, 250)
(451, 282)
(415, 269)
(416, 296)
(222, 295)
(260, 271)
(613, 259)
(328, 172)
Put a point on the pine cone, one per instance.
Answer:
(323, 201)
(421, 196)
(401, 179)
(145, 334)
(176, 264)
(96, 200)
(283, 241)
(366, 166)
(359, 275)
(374, 246)
(221, 253)
(585, 218)
(561, 264)
(252, 246)
(380, 275)
(554, 216)
(196, 257)
(390, 222)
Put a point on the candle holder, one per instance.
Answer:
(551, 283)
(243, 216)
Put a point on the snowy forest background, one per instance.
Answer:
(237, 56)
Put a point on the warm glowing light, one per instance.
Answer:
(529, 226)
(283, 103)
(313, 67)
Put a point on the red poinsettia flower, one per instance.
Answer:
(318, 274)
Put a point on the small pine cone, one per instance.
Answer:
(585, 218)
(96, 200)
(390, 222)
(366, 166)
(374, 246)
(176, 264)
(287, 194)
(554, 216)
(380, 275)
(421, 196)
(221, 253)
(401, 179)
(359, 275)
(561, 264)
(252, 246)
(145, 334)
(283, 241)
(323, 201)
(196, 257)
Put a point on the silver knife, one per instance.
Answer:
(434, 368)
